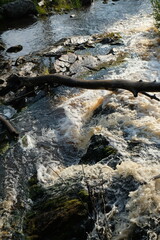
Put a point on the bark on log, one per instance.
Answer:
(54, 79)
(10, 129)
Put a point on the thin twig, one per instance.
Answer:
(151, 96)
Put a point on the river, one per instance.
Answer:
(56, 129)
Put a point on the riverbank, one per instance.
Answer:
(18, 9)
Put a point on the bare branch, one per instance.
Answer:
(151, 96)
(10, 129)
(54, 79)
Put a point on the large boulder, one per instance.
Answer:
(19, 9)
(86, 2)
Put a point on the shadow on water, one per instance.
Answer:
(16, 24)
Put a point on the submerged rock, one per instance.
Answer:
(98, 149)
(15, 49)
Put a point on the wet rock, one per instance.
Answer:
(27, 69)
(19, 9)
(70, 58)
(51, 213)
(5, 65)
(14, 49)
(1, 81)
(82, 64)
(61, 66)
(86, 2)
(108, 38)
(77, 40)
(20, 60)
(55, 51)
(72, 16)
(98, 149)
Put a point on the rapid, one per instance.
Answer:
(55, 130)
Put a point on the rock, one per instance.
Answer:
(76, 40)
(108, 38)
(70, 58)
(14, 49)
(55, 51)
(61, 66)
(20, 60)
(5, 65)
(51, 214)
(19, 8)
(87, 2)
(72, 16)
(98, 149)
(1, 81)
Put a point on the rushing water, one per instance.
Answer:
(55, 130)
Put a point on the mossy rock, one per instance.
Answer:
(4, 146)
(98, 149)
(36, 191)
(108, 38)
(63, 217)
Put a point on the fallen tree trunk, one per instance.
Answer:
(54, 79)
(16, 82)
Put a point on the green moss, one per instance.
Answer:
(41, 10)
(156, 11)
(56, 215)
(83, 194)
(4, 146)
(33, 180)
(45, 71)
(35, 190)
(98, 149)
(110, 150)
(60, 5)
(112, 63)
(33, 237)
(25, 141)
(108, 37)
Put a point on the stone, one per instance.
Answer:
(77, 40)
(14, 49)
(55, 51)
(87, 2)
(70, 58)
(51, 214)
(1, 81)
(98, 149)
(5, 65)
(20, 60)
(72, 16)
(19, 8)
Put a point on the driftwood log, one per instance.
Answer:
(15, 82)
(56, 79)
